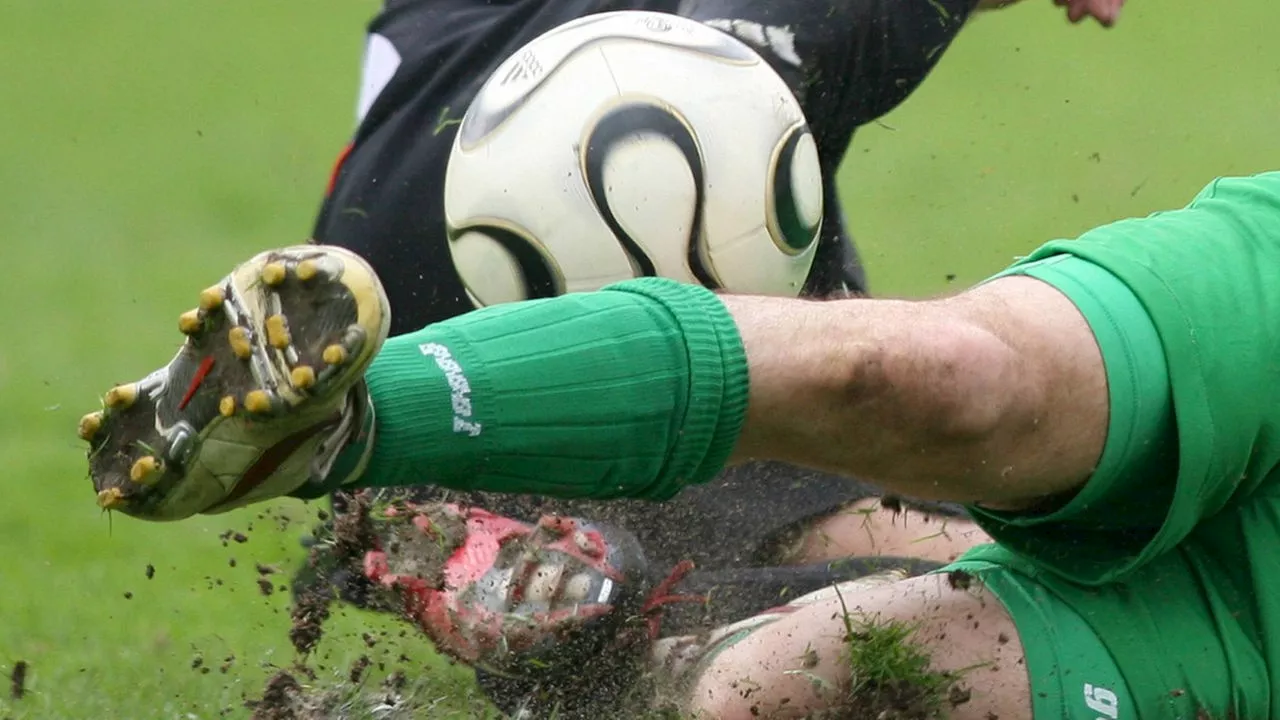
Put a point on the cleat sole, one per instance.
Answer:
(149, 452)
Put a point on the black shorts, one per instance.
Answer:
(847, 61)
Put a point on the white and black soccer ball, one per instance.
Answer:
(632, 144)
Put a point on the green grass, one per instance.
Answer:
(147, 145)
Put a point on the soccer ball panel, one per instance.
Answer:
(494, 273)
(635, 143)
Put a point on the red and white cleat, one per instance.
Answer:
(506, 596)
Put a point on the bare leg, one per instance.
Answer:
(800, 663)
(868, 529)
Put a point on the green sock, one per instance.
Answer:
(633, 391)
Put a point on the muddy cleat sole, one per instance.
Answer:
(511, 597)
(257, 400)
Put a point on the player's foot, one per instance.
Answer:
(263, 393)
(504, 595)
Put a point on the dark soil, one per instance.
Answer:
(353, 536)
(18, 680)
(284, 698)
(279, 700)
(358, 669)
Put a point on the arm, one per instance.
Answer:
(1106, 12)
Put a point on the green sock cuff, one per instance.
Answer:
(634, 391)
(717, 370)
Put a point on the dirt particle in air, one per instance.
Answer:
(358, 669)
(959, 579)
(279, 700)
(18, 680)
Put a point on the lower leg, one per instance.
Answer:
(879, 527)
(832, 654)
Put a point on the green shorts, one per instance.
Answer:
(1155, 591)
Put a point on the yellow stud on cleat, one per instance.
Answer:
(144, 470)
(258, 402)
(335, 354)
(238, 338)
(110, 499)
(274, 273)
(190, 322)
(277, 332)
(227, 406)
(121, 397)
(302, 377)
(89, 425)
(211, 298)
(306, 270)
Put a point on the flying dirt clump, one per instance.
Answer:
(355, 533)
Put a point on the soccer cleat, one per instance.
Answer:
(241, 413)
(504, 595)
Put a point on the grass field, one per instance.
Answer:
(147, 145)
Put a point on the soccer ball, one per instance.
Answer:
(632, 144)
